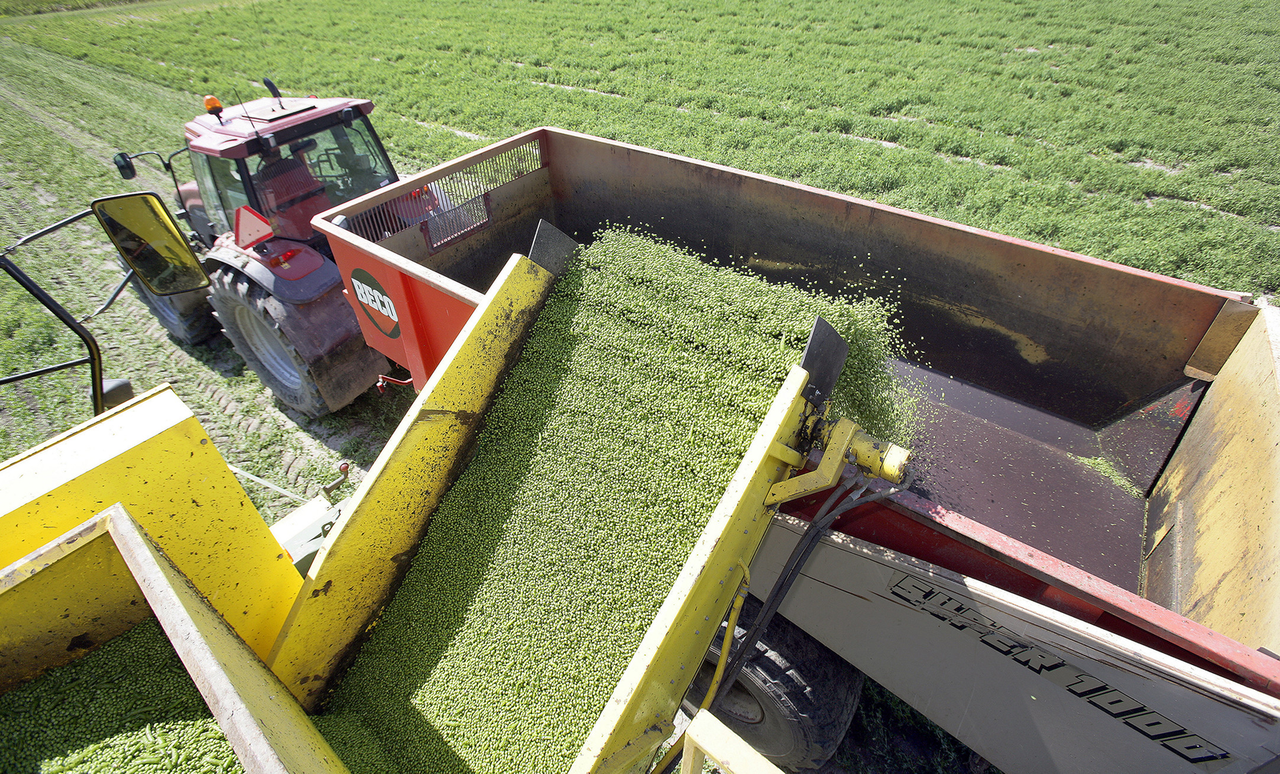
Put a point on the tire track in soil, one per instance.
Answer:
(246, 425)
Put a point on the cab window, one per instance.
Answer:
(349, 161)
(213, 208)
(227, 175)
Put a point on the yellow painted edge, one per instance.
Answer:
(826, 474)
(638, 716)
(267, 729)
(231, 555)
(22, 478)
(788, 455)
(1217, 344)
(1219, 499)
(55, 550)
(153, 455)
(62, 601)
(707, 737)
(357, 568)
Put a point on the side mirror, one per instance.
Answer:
(125, 165)
(149, 241)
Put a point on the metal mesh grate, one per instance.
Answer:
(383, 220)
(444, 227)
(448, 209)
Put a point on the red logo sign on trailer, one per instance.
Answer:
(374, 299)
(251, 227)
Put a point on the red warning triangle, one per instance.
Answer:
(251, 227)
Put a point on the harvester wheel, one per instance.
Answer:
(186, 316)
(247, 320)
(793, 702)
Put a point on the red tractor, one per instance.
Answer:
(262, 170)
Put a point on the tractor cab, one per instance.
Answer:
(286, 158)
(263, 170)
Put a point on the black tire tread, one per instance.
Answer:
(189, 321)
(816, 688)
(228, 289)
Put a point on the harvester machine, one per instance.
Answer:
(1072, 575)
(1077, 578)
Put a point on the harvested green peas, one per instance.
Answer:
(602, 458)
(608, 448)
(127, 708)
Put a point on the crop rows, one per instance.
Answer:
(1141, 134)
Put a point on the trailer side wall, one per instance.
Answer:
(1083, 338)
(1080, 337)
(1215, 513)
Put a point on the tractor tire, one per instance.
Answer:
(793, 702)
(241, 307)
(187, 317)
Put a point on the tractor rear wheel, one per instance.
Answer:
(793, 702)
(248, 321)
(186, 316)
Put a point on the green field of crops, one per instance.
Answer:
(59, 126)
(1137, 133)
(1143, 135)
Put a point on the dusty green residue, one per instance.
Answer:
(127, 708)
(1108, 468)
(611, 442)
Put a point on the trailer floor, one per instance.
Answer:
(1035, 476)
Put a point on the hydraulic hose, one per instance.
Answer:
(822, 521)
(727, 644)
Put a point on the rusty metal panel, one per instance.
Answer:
(1032, 492)
(1220, 340)
(1214, 523)
(1081, 337)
